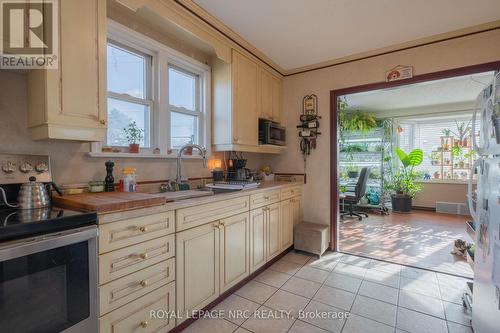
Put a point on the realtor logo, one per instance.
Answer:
(29, 34)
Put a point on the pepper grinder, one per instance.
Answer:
(109, 181)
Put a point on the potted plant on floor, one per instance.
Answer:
(134, 136)
(403, 183)
(352, 171)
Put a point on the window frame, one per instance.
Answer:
(162, 57)
(147, 100)
(415, 124)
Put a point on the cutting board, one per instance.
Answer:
(108, 201)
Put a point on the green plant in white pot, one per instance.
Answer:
(403, 183)
(134, 136)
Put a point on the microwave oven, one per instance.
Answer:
(271, 133)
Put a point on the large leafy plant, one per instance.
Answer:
(403, 182)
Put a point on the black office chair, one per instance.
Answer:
(354, 194)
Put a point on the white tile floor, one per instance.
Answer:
(380, 297)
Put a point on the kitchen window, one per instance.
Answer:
(165, 93)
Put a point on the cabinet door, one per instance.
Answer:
(245, 100)
(297, 210)
(273, 230)
(70, 102)
(258, 231)
(197, 260)
(266, 94)
(234, 250)
(277, 95)
(286, 221)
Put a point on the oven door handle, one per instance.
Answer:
(42, 243)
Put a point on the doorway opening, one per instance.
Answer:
(401, 158)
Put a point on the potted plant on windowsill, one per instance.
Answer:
(403, 183)
(189, 150)
(134, 136)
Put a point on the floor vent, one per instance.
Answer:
(452, 208)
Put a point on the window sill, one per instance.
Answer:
(140, 155)
(444, 181)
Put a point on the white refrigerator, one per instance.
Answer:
(484, 204)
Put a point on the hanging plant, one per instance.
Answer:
(354, 121)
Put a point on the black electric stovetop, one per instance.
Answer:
(22, 223)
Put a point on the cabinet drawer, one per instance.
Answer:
(115, 264)
(195, 216)
(135, 317)
(133, 286)
(290, 192)
(264, 198)
(116, 235)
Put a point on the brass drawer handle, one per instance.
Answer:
(266, 198)
(143, 256)
(143, 229)
(144, 283)
(144, 324)
(222, 224)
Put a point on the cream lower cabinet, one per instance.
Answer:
(258, 235)
(273, 231)
(211, 258)
(287, 219)
(264, 235)
(297, 209)
(234, 250)
(198, 273)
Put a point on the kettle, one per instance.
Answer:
(33, 195)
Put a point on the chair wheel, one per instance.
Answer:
(360, 218)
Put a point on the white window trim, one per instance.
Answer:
(162, 56)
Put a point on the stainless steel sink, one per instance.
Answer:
(183, 195)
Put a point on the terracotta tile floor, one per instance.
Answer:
(378, 296)
(421, 239)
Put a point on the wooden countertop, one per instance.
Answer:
(132, 208)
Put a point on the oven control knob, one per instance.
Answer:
(26, 167)
(8, 167)
(42, 167)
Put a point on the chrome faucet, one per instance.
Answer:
(203, 151)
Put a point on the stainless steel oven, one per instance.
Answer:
(48, 283)
(271, 133)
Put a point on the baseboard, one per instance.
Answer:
(428, 209)
(182, 326)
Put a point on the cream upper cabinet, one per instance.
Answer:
(258, 234)
(270, 96)
(277, 93)
(245, 100)
(243, 92)
(286, 221)
(69, 102)
(234, 250)
(197, 260)
(266, 94)
(273, 230)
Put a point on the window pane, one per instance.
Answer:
(183, 129)
(120, 115)
(181, 89)
(126, 72)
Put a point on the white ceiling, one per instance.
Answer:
(456, 90)
(297, 33)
